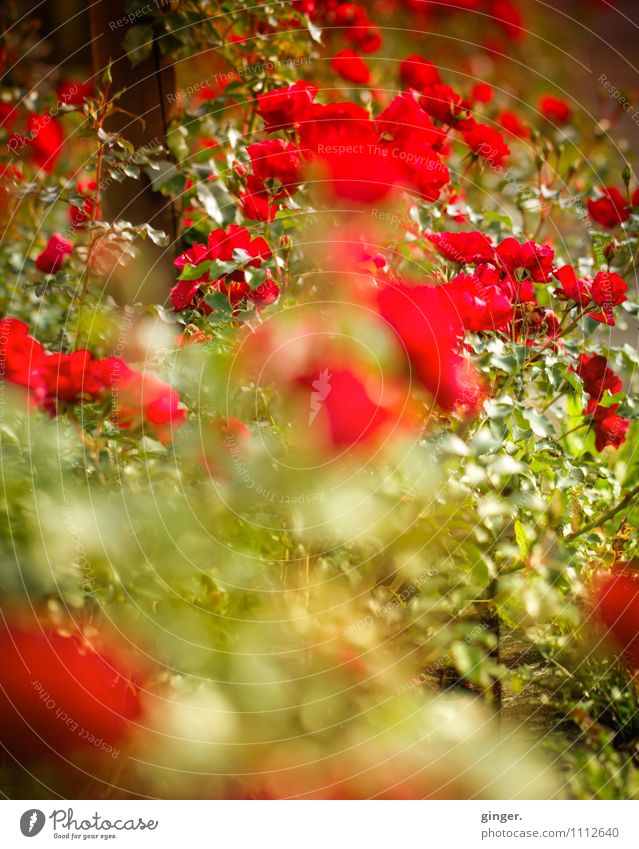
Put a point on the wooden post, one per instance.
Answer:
(149, 90)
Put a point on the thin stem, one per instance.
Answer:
(573, 429)
(102, 114)
(552, 401)
(609, 514)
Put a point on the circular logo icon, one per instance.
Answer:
(32, 822)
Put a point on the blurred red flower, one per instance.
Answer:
(555, 109)
(51, 259)
(58, 693)
(430, 332)
(610, 428)
(351, 67)
(513, 124)
(464, 247)
(418, 73)
(488, 143)
(616, 606)
(46, 140)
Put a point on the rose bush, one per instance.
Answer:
(360, 476)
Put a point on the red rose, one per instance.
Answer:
(336, 125)
(255, 202)
(20, 356)
(404, 118)
(479, 300)
(109, 371)
(424, 170)
(8, 115)
(418, 73)
(185, 294)
(537, 260)
(513, 124)
(482, 93)
(59, 693)
(143, 400)
(555, 109)
(597, 377)
(442, 103)
(572, 287)
(360, 177)
(73, 92)
(231, 245)
(265, 294)
(616, 606)
(196, 254)
(69, 378)
(464, 248)
(609, 209)
(351, 409)
(223, 244)
(610, 428)
(508, 16)
(363, 34)
(284, 107)
(344, 143)
(275, 159)
(79, 216)
(52, 257)
(488, 143)
(608, 290)
(351, 67)
(46, 140)
(430, 330)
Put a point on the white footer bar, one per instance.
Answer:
(319, 825)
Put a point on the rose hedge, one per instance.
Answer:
(280, 532)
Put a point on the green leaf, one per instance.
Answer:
(138, 43)
(240, 256)
(206, 196)
(539, 424)
(521, 538)
(219, 303)
(176, 141)
(194, 272)
(131, 171)
(158, 237)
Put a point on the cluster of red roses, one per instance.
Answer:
(349, 404)
(429, 322)
(43, 136)
(350, 21)
(507, 15)
(364, 158)
(56, 380)
(596, 295)
(502, 284)
(610, 428)
(231, 245)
